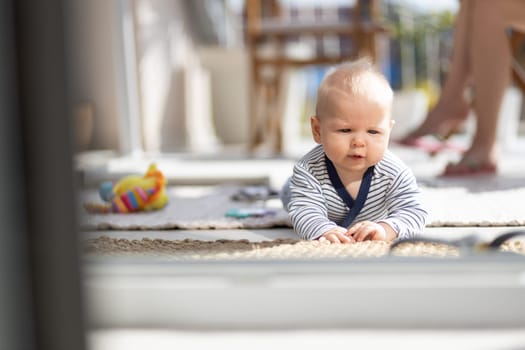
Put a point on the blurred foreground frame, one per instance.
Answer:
(41, 298)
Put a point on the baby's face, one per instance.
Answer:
(353, 130)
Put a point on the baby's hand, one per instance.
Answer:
(368, 230)
(336, 235)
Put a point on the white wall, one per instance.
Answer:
(230, 90)
(175, 91)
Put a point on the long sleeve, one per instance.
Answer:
(406, 213)
(307, 208)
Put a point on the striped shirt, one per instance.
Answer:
(318, 204)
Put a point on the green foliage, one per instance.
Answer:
(423, 25)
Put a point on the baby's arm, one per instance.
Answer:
(407, 215)
(307, 208)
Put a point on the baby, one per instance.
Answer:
(351, 187)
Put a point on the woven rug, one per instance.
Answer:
(492, 202)
(188, 250)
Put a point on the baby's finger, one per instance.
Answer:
(340, 230)
(346, 239)
(357, 227)
(332, 237)
(352, 230)
(364, 233)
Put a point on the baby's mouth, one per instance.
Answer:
(356, 156)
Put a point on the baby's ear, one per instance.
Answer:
(316, 128)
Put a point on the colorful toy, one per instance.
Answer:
(132, 193)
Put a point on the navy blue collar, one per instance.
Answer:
(356, 205)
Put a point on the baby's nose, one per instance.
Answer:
(358, 141)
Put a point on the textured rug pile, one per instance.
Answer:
(188, 250)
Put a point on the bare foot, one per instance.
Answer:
(442, 122)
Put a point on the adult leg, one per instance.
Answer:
(490, 78)
(514, 14)
(452, 109)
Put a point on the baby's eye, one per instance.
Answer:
(373, 132)
(345, 130)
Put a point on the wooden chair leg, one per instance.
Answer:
(257, 102)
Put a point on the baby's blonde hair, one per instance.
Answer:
(357, 78)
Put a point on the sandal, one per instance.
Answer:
(469, 167)
(429, 143)
(432, 144)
